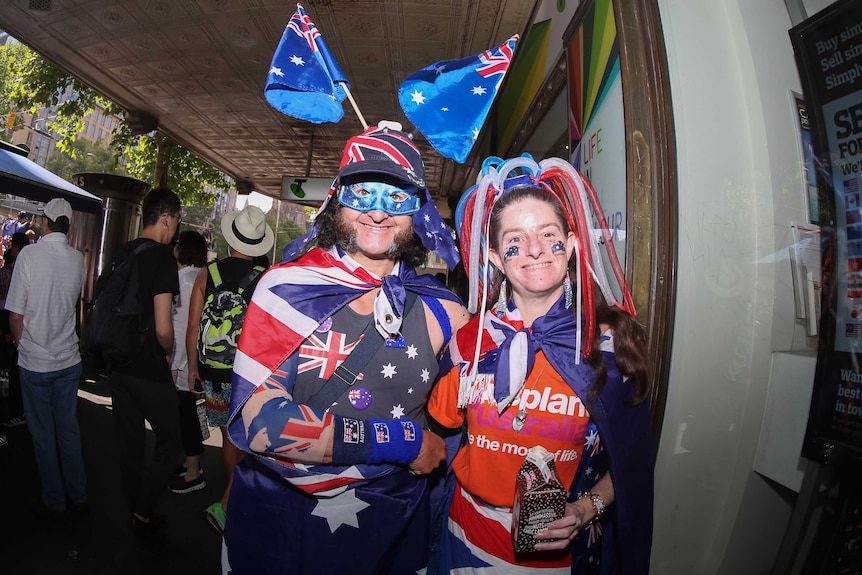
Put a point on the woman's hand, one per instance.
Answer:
(564, 529)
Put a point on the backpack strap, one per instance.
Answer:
(348, 372)
(214, 273)
(249, 277)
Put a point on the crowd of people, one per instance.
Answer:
(371, 421)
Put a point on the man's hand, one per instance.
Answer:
(431, 455)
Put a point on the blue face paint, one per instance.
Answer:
(377, 196)
(558, 247)
(511, 252)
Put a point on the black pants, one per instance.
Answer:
(190, 428)
(14, 403)
(134, 400)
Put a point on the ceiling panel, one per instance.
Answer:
(199, 66)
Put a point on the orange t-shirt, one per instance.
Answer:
(488, 464)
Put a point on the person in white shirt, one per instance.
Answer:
(191, 253)
(43, 301)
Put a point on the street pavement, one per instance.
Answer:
(102, 541)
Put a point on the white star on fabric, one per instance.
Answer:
(427, 218)
(429, 234)
(412, 351)
(417, 97)
(426, 375)
(297, 61)
(388, 371)
(592, 438)
(444, 109)
(409, 390)
(478, 90)
(282, 404)
(397, 411)
(277, 71)
(355, 203)
(439, 69)
(340, 510)
(588, 471)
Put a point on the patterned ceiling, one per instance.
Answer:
(198, 67)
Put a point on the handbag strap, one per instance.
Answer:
(348, 373)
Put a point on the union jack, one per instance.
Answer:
(409, 430)
(326, 355)
(382, 432)
(302, 25)
(361, 148)
(496, 62)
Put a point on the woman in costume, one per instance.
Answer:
(546, 365)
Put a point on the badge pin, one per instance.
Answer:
(359, 397)
(325, 326)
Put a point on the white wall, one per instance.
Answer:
(730, 66)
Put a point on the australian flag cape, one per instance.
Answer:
(291, 300)
(625, 429)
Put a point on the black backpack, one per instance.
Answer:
(114, 330)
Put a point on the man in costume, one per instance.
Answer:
(338, 353)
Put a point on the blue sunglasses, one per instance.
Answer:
(377, 196)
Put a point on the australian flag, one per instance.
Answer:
(303, 80)
(449, 101)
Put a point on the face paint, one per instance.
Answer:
(511, 252)
(377, 196)
(558, 247)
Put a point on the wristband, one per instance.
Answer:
(394, 441)
(375, 441)
(350, 444)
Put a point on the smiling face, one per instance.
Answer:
(374, 239)
(532, 247)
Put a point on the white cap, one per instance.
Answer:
(56, 208)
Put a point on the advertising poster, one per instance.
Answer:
(828, 49)
(596, 119)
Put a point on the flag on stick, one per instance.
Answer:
(449, 101)
(304, 80)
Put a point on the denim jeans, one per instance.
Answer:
(51, 406)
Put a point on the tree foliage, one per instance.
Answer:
(89, 156)
(11, 54)
(152, 158)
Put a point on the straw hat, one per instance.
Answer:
(247, 232)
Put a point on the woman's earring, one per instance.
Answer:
(500, 306)
(567, 289)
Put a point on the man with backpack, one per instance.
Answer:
(142, 386)
(42, 302)
(217, 307)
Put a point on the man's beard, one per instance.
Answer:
(345, 236)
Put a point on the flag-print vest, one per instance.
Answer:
(395, 381)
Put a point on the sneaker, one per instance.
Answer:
(152, 530)
(80, 507)
(180, 485)
(15, 422)
(216, 516)
(181, 471)
(40, 510)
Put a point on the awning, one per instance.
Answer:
(21, 177)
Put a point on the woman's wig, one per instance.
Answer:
(579, 203)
